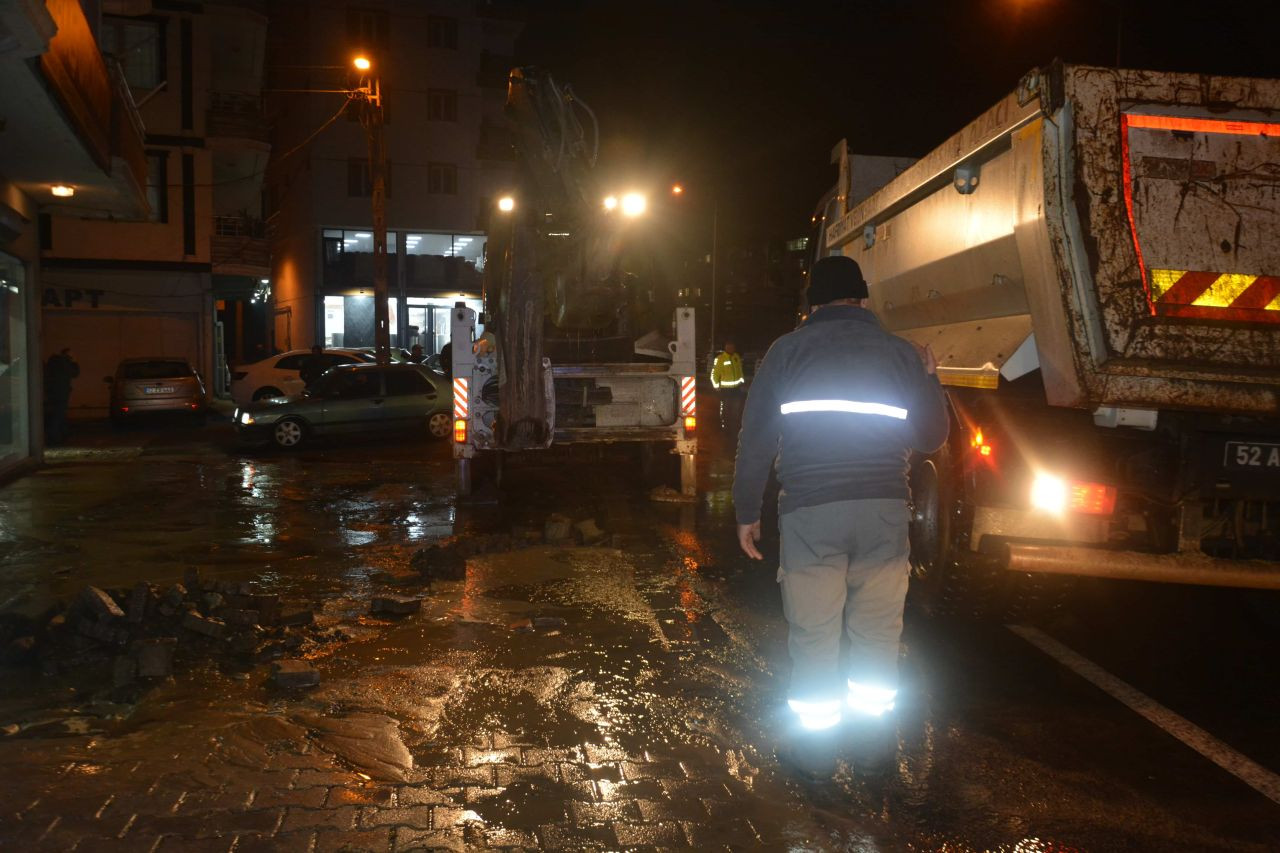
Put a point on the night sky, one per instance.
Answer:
(742, 102)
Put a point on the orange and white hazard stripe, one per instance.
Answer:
(1228, 296)
(688, 396)
(460, 394)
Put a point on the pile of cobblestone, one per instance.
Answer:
(447, 559)
(139, 632)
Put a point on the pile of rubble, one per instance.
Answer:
(447, 559)
(141, 630)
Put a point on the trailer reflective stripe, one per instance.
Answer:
(1203, 125)
(1191, 293)
(460, 386)
(688, 396)
(855, 407)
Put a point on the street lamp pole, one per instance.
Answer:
(715, 235)
(372, 119)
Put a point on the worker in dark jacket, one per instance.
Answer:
(840, 403)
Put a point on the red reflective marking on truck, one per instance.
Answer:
(1260, 294)
(1203, 125)
(688, 396)
(460, 402)
(1127, 180)
(1250, 306)
(1186, 289)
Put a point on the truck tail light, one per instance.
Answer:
(1092, 498)
(460, 430)
(690, 423)
(979, 443)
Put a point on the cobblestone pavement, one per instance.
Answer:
(619, 696)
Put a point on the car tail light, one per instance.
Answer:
(690, 423)
(1092, 498)
(460, 430)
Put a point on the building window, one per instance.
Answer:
(442, 179)
(158, 186)
(359, 181)
(367, 27)
(442, 105)
(442, 32)
(138, 45)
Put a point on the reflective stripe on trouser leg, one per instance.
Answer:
(870, 699)
(816, 715)
(813, 580)
(873, 615)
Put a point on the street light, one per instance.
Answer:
(371, 117)
(506, 204)
(633, 204)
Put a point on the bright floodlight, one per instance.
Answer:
(1049, 493)
(362, 63)
(506, 204)
(611, 203)
(633, 204)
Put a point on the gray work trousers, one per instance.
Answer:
(844, 570)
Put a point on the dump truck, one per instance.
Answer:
(582, 341)
(1095, 261)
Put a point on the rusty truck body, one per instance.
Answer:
(1095, 261)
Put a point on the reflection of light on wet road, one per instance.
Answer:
(358, 537)
(248, 478)
(264, 529)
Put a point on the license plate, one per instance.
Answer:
(1251, 455)
(158, 389)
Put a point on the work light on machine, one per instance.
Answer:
(633, 204)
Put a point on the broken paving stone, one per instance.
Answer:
(558, 528)
(589, 532)
(102, 632)
(208, 626)
(211, 601)
(174, 595)
(239, 617)
(295, 618)
(191, 579)
(522, 625)
(440, 562)
(100, 604)
(139, 598)
(123, 671)
(155, 657)
(545, 622)
(396, 605)
(294, 673)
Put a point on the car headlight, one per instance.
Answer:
(1049, 493)
(244, 418)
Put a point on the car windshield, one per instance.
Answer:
(155, 369)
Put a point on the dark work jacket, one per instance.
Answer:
(841, 354)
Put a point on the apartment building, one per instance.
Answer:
(71, 144)
(118, 285)
(441, 66)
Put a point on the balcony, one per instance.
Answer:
(79, 124)
(239, 246)
(234, 115)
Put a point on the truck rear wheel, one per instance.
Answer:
(942, 582)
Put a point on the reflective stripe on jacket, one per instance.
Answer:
(726, 371)
(840, 403)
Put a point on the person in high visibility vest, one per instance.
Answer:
(727, 378)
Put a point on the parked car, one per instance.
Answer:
(277, 375)
(143, 386)
(353, 399)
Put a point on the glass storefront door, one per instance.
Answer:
(14, 366)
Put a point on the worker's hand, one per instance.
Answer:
(927, 358)
(748, 536)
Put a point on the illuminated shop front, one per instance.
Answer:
(427, 273)
(15, 367)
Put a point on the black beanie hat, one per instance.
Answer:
(835, 277)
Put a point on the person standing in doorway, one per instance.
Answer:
(840, 403)
(59, 370)
(729, 381)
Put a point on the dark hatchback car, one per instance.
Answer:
(150, 386)
(353, 400)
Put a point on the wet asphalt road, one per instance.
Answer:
(625, 696)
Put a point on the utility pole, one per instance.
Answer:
(372, 119)
(715, 234)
